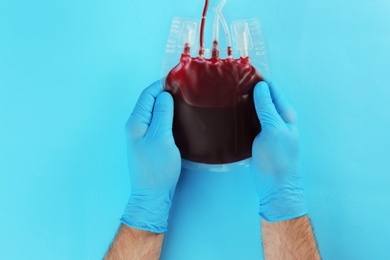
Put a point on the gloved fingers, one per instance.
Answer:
(141, 116)
(162, 120)
(265, 108)
(144, 108)
(284, 108)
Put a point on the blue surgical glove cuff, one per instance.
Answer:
(286, 204)
(141, 213)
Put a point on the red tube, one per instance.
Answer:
(202, 25)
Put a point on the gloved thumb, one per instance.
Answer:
(265, 108)
(162, 118)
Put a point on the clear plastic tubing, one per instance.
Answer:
(220, 18)
(215, 50)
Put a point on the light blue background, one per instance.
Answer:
(71, 71)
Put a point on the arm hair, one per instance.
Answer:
(135, 244)
(290, 239)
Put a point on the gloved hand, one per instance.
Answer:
(275, 157)
(154, 161)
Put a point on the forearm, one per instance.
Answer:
(135, 244)
(290, 239)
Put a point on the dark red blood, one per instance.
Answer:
(215, 119)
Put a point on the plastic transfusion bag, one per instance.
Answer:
(215, 121)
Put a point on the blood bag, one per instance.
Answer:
(215, 120)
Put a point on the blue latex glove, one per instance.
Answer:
(154, 161)
(275, 157)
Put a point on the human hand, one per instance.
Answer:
(154, 161)
(275, 157)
